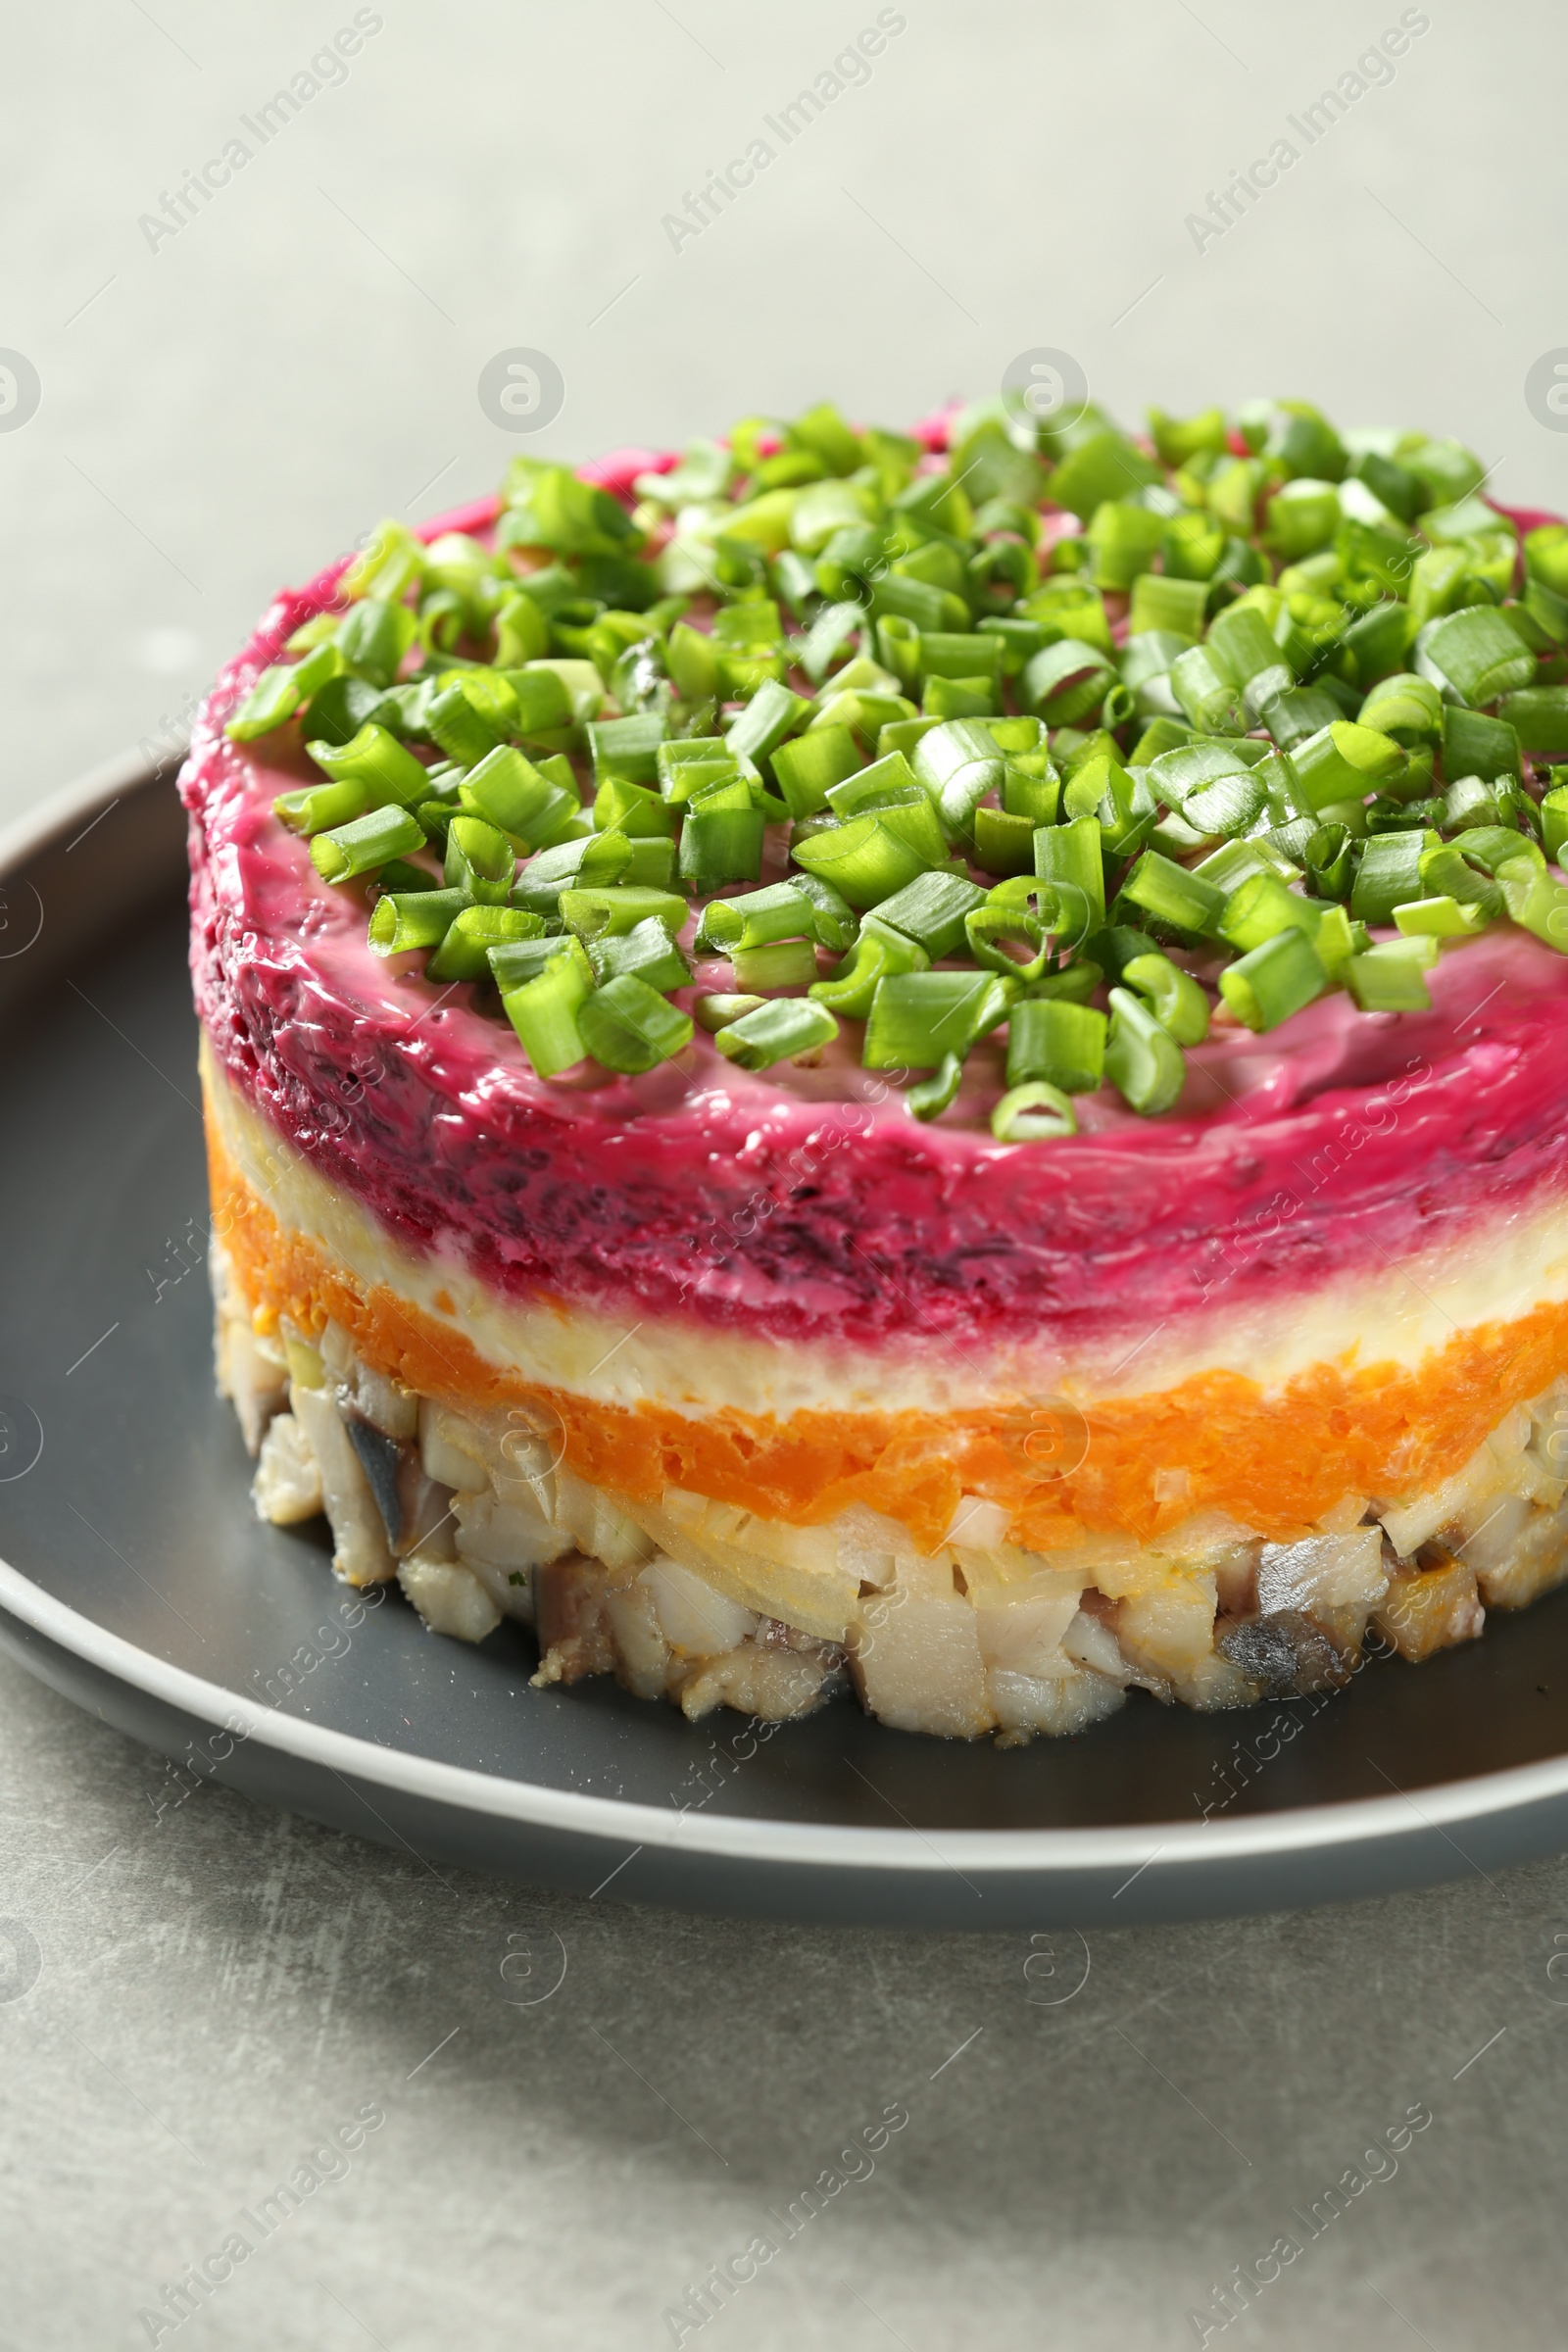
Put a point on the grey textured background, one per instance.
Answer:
(192, 1993)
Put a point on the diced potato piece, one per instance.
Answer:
(1430, 1609)
(1170, 1630)
(450, 1599)
(287, 1487)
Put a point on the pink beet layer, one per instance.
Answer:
(813, 1208)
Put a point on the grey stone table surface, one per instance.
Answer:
(518, 2120)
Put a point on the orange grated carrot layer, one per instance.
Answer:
(1277, 1462)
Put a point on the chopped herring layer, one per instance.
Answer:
(477, 1515)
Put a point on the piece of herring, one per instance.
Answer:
(381, 1457)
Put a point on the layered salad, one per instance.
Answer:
(929, 1064)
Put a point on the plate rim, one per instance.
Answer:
(1168, 1851)
(1177, 1846)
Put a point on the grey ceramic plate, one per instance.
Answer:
(136, 1579)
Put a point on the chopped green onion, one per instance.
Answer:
(1539, 716)
(1004, 844)
(463, 951)
(1536, 902)
(721, 838)
(1389, 875)
(372, 639)
(865, 860)
(1068, 857)
(651, 865)
(781, 963)
(875, 787)
(463, 729)
(509, 791)
(1275, 980)
(783, 1029)
(376, 759)
(1207, 693)
(543, 1009)
(1447, 872)
(1554, 818)
(595, 861)
(960, 764)
(1493, 847)
(413, 919)
(919, 1017)
(1162, 601)
(1064, 682)
(629, 1027)
(772, 713)
(647, 950)
(621, 806)
(1344, 762)
(1062, 1043)
(1474, 745)
(597, 910)
(274, 698)
(627, 748)
(479, 859)
(398, 874)
(834, 919)
(806, 769)
(368, 842)
(1172, 895)
(1439, 918)
(933, 910)
(315, 807)
(1388, 978)
(1261, 908)
(1142, 1060)
(933, 1096)
(550, 696)
(757, 919)
(717, 1012)
(1174, 997)
(1034, 1113)
(1478, 654)
(986, 926)
(850, 989)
